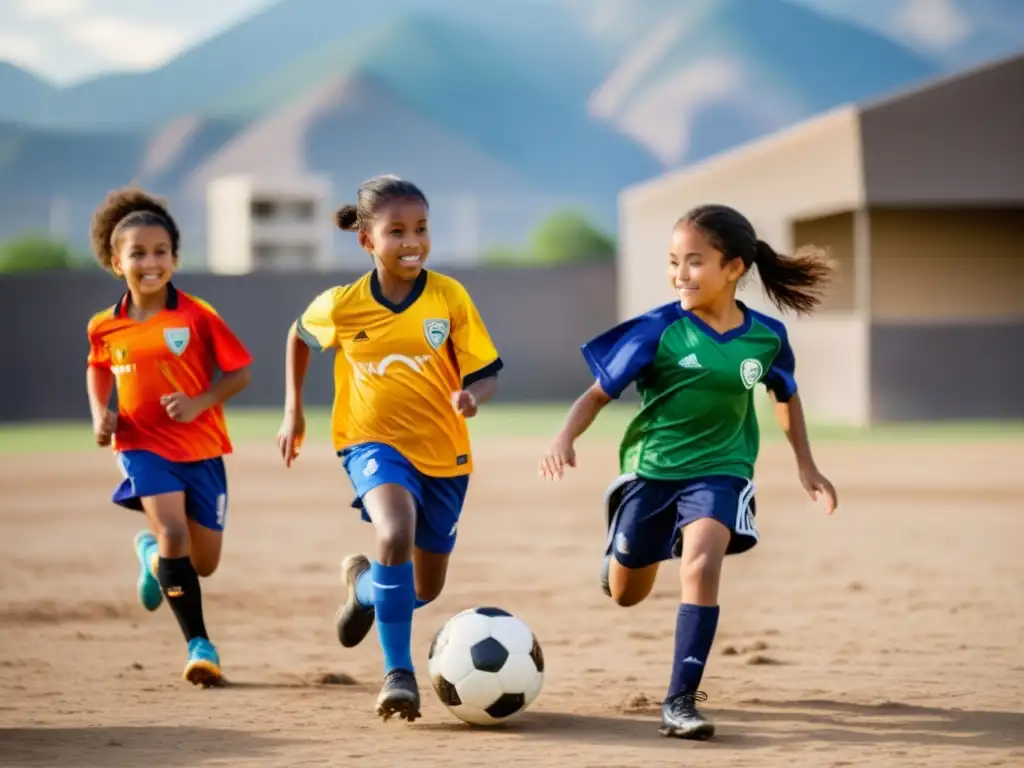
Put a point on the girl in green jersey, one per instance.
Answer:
(687, 458)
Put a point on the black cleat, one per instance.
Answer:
(680, 718)
(606, 567)
(352, 620)
(399, 696)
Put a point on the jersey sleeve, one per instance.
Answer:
(316, 326)
(620, 355)
(228, 350)
(781, 377)
(99, 355)
(474, 350)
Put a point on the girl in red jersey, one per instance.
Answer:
(162, 349)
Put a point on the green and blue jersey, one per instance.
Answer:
(697, 415)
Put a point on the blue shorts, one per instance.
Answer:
(438, 500)
(205, 485)
(645, 517)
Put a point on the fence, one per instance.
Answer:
(538, 318)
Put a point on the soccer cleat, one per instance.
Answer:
(150, 594)
(203, 667)
(353, 620)
(680, 718)
(399, 696)
(606, 567)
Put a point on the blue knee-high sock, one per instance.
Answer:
(394, 600)
(364, 591)
(695, 632)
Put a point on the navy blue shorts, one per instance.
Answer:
(205, 484)
(645, 517)
(438, 500)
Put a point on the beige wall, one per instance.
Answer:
(835, 234)
(952, 142)
(947, 264)
(811, 170)
(832, 356)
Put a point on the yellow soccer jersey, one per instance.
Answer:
(397, 365)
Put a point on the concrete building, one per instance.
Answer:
(920, 198)
(258, 224)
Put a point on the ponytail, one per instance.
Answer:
(347, 218)
(793, 282)
(373, 194)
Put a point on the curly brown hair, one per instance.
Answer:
(124, 209)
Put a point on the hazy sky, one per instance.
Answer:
(70, 40)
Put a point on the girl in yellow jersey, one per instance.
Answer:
(413, 361)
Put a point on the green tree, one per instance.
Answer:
(566, 236)
(35, 253)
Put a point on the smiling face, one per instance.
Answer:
(144, 257)
(398, 238)
(697, 271)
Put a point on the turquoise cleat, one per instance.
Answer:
(150, 594)
(203, 666)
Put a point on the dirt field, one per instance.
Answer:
(889, 635)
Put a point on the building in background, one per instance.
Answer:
(258, 224)
(920, 198)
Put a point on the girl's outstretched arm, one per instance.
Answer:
(293, 425)
(99, 383)
(562, 452)
(791, 418)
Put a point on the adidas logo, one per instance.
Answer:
(690, 361)
(361, 336)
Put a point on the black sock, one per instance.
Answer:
(180, 584)
(695, 633)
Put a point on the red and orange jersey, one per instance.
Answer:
(180, 349)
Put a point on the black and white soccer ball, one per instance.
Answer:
(486, 666)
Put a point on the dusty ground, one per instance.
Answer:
(889, 635)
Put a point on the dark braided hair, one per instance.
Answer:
(791, 282)
(373, 195)
(126, 209)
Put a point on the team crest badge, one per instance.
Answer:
(436, 331)
(177, 339)
(750, 371)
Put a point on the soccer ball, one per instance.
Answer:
(485, 666)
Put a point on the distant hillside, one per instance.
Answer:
(21, 93)
(503, 109)
(702, 76)
(507, 109)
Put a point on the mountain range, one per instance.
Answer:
(502, 110)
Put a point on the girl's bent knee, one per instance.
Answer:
(628, 599)
(172, 538)
(205, 568)
(702, 568)
(428, 593)
(394, 546)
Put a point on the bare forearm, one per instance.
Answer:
(791, 419)
(583, 412)
(483, 389)
(229, 385)
(99, 384)
(296, 363)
